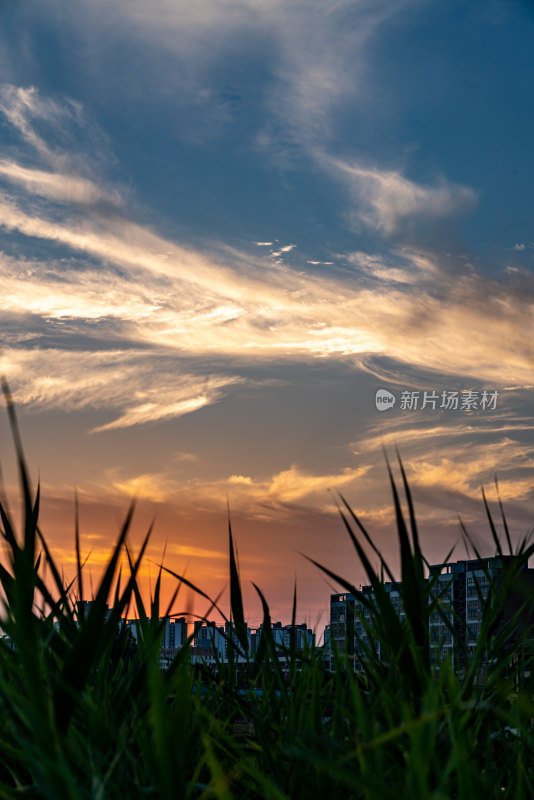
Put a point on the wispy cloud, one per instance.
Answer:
(262, 498)
(322, 58)
(448, 461)
(445, 474)
(24, 107)
(315, 53)
(140, 386)
(287, 249)
(196, 552)
(474, 327)
(391, 203)
(61, 137)
(174, 297)
(59, 187)
(147, 291)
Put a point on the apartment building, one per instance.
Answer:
(300, 635)
(210, 640)
(174, 631)
(460, 588)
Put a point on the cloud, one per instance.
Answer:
(447, 461)
(262, 498)
(314, 56)
(445, 465)
(287, 249)
(196, 552)
(151, 294)
(400, 269)
(24, 107)
(427, 435)
(193, 302)
(58, 187)
(140, 386)
(177, 298)
(390, 203)
(59, 134)
(322, 55)
(56, 130)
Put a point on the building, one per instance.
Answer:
(459, 588)
(351, 623)
(211, 640)
(83, 608)
(342, 626)
(174, 631)
(212, 643)
(300, 635)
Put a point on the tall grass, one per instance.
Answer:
(86, 714)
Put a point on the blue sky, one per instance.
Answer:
(225, 225)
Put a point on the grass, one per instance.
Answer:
(85, 714)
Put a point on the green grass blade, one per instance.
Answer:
(236, 598)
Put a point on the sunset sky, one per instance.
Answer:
(224, 225)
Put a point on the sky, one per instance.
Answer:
(224, 227)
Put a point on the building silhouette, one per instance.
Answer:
(461, 589)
